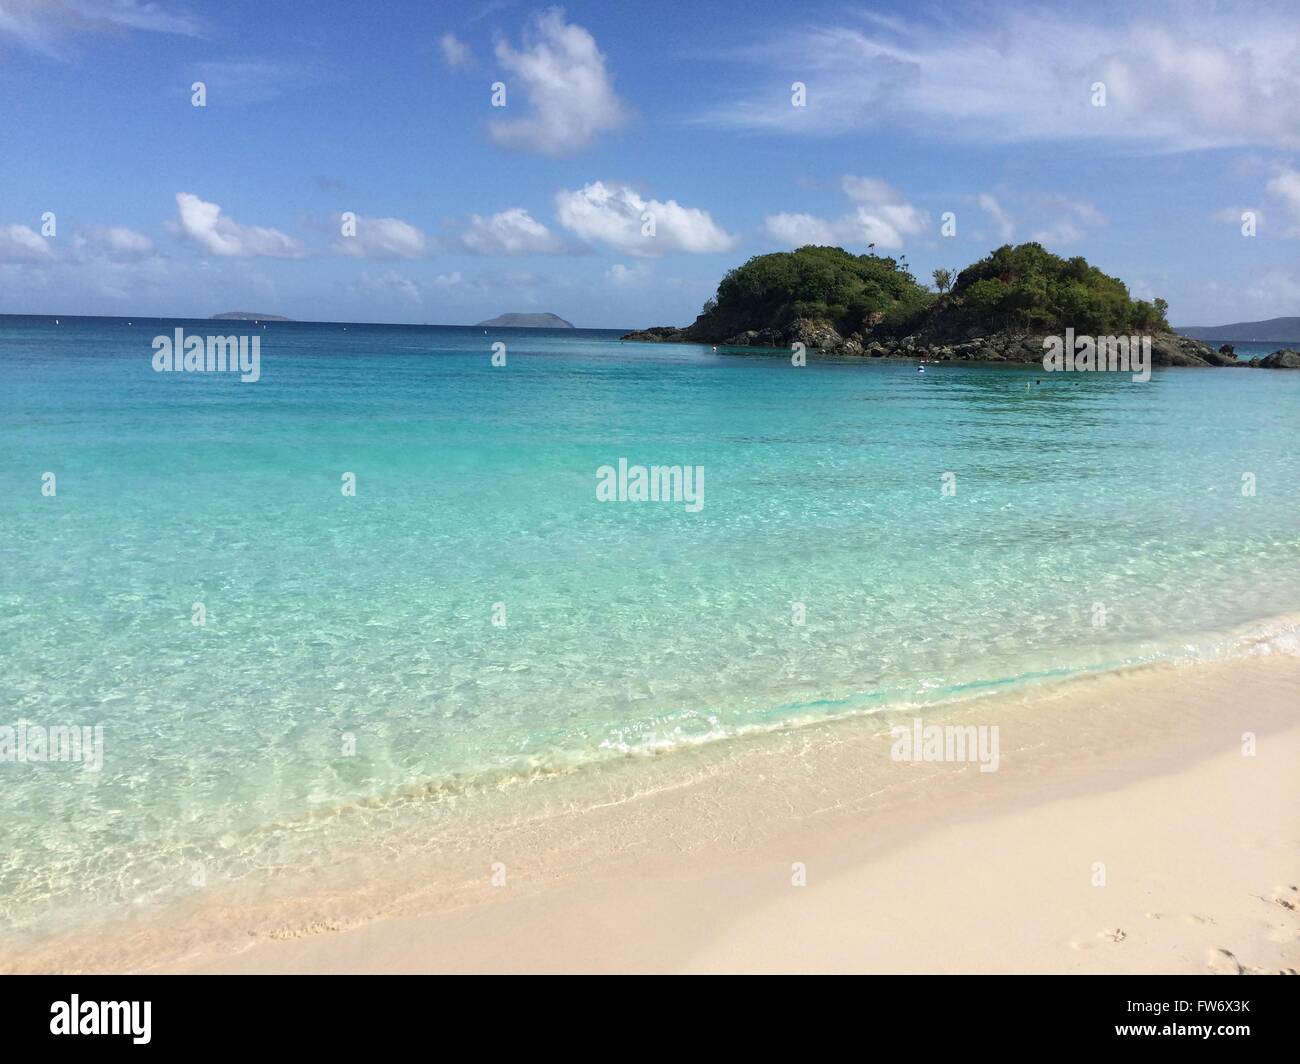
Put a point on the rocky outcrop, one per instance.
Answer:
(1284, 359)
(1167, 348)
(814, 333)
(1170, 349)
(659, 334)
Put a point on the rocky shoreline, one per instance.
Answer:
(1167, 348)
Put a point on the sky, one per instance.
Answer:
(609, 162)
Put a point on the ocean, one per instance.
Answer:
(266, 649)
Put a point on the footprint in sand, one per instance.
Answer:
(1194, 918)
(1221, 962)
(1112, 934)
(1291, 904)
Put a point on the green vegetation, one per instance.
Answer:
(1028, 288)
(852, 292)
(1023, 289)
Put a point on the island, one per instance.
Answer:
(244, 315)
(1272, 331)
(527, 321)
(997, 310)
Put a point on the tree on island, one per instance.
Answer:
(852, 292)
(1028, 288)
(826, 295)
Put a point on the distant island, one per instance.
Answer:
(1272, 331)
(528, 321)
(244, 315)
(996, 310)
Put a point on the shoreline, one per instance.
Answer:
(716, 829)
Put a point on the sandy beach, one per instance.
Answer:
(1133, 826)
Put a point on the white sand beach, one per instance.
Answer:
(995, 872)
(1139, 822)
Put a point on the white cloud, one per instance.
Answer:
(39, 24)
(1286, 185)
(21, 244)
(201, 223)
(882, 217)
(1286, 188)
(621, 275)
(1006, 227)
(1177, 76)
(455, 52)
(618, 216)
(130, 14)
(115, 243)
(570, 97)
(796, 230)
(384, 238)
(509, 232)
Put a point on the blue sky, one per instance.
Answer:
(680, 112)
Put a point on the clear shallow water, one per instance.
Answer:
(630, 627)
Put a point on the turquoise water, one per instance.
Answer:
(349, 653)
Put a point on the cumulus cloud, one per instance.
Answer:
(202, 223)
(384, 238)
(509, 232)
(618, 216)
(20, 244)
(882, 216)
(796, 230)
(1178, 76)
(455, 52)
(569, 95)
